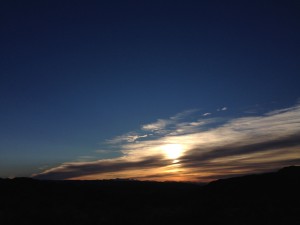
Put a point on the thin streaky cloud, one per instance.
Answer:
(129, 137)
(209, 150)
(160, 124)
(184, 114)
(222, 109)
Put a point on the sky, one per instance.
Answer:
(149, 90)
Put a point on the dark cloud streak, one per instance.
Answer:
(72, 170)
(238, 148)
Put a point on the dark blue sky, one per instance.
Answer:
(76, 73)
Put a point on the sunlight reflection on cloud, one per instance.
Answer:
(211, 149)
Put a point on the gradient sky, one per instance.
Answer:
(106, 89)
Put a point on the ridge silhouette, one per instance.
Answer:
(270, 198)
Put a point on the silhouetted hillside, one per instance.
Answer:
(271, 198)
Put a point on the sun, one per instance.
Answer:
(172, 151)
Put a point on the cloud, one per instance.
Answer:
(242, 149)
(105, 151)
(85, 158)
(184, 114)
(222, 109)
(157, 126)
(162, 126)
(71, 170)
(130, 137)
(211, 148)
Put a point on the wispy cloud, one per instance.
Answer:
(105, 151)
(129, 137)
(211, 148)
(206, 114)
(157, 126)
(222, 109)
(184, 114)
(85, 158)
(162, 126)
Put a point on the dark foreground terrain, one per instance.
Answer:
(267, 199)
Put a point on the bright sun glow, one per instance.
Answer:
(173, 151)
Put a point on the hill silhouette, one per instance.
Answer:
(271, 198)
